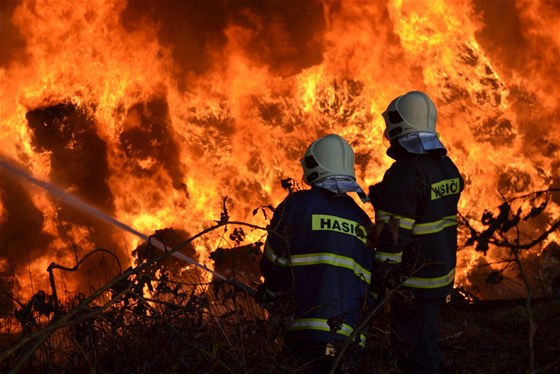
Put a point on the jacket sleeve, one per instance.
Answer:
(274, 262)
(395, 202)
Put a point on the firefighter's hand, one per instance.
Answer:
(264, 296)
(389, 274)
(377, 290)
(393, 280)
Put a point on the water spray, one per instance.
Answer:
(77, 203)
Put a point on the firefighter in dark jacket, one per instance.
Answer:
(316, 252)
(416, 223)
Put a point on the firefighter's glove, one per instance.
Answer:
(264, 295)
(393, 280)
(377, 289)
(389, 274)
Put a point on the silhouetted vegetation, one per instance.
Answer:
(162, 316)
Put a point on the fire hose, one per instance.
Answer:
(77, 203)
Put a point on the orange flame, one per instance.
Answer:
(155, 114)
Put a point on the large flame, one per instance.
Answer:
(155, 111)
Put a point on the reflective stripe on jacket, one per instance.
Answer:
(321, 324)
(320, 258)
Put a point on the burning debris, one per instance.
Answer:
(162, 122)
(190, 326)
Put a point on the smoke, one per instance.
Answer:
(11, 40)
(285, 36)
(78, 154)
(22, 238)
(522, 40)
(79, 165)
(78, 158)
(21, 226)
(148, 141)
(501, 26)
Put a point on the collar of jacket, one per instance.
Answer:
(397, 151)
(419, 143)
(340, 185)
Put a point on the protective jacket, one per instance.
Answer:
(417, 202)
(316, 252)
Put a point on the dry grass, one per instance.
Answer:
(144, 323)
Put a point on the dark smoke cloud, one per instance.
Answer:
(508, 40)
(514, 52)
(191, 28)
(511, 49)
(556, 181)
(21, 237)
(497, 131)
(501, 35)
(150, 136)
(513, 180)
(536, 122)
(78, 165)
(285, 35)
(79, 155)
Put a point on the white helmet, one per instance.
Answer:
(409, 113)
(328, 156)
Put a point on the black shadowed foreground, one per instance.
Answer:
(159, 316)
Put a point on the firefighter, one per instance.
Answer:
(316, 252)
(416, 225)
